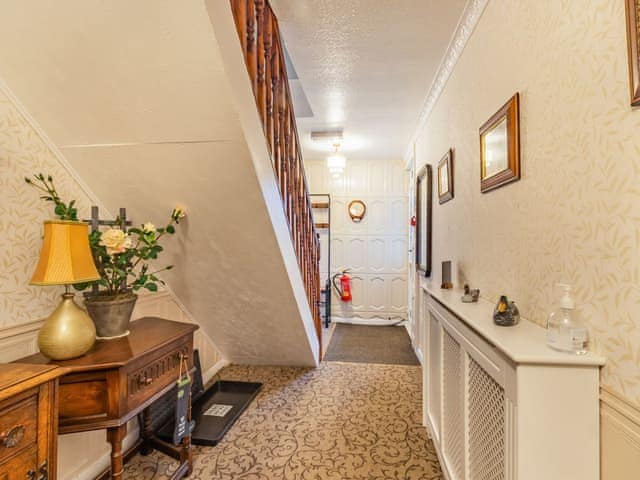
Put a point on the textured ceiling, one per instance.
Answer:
(366, 65)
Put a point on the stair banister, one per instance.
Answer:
(261, 44)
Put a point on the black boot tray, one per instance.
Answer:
(215, 411)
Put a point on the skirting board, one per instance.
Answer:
(414, 344)
(383, 322)
(210, 373)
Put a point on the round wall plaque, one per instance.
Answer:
(357, 210)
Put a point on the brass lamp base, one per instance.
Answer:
(68, 332)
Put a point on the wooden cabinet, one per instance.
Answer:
(119, 378)
(499, 403)
(28, 421)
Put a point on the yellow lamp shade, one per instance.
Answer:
(66, 255)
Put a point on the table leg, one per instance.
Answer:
(147, 432)
(115, 436)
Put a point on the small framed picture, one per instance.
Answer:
(445, 177)
(500, 147)
(633, 42)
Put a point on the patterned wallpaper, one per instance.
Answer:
(23, 153)
(575, 215)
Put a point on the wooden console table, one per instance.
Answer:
(117, 379)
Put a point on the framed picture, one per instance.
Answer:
(445, 177)
(423, 220)
(500, 147)
(633, 41)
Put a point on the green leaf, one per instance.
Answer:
(171, 229)
(152, 287)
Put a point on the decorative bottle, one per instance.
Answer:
(565, 332)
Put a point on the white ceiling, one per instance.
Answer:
(366, 66)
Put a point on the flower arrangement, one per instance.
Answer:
(121, 257)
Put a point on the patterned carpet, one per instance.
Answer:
(341, 421)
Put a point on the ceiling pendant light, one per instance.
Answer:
(336, 162)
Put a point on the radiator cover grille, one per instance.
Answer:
(453, 407)
(486, 425)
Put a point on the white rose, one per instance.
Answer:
(148, 227)
(115, 240)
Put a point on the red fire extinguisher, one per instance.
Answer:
(344, 288)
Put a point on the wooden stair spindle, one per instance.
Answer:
(267, 43)
(251, 56)
(261, 94)
(259, 36)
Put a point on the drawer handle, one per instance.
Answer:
(144, 381)
(12, 437)
(44, 473)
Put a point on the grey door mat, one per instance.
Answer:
(365, 344)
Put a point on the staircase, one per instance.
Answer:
(152, 104)
(259, 36)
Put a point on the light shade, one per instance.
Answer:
(336, 164)
(65, 257)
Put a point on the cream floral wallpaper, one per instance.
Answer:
(23, 153)
(575, 215)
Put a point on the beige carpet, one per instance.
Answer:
(341, 421)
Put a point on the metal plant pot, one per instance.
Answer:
(111, 314)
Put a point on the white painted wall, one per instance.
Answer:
(375, 250)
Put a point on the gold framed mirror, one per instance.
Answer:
(500, 147)
(357, 210)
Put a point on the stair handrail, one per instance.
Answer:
(262, 46)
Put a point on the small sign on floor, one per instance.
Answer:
(218, 410)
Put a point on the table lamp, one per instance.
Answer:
(65, 259)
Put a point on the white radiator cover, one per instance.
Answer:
(501, 405)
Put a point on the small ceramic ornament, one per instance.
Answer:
(470, 295)
(506, 313)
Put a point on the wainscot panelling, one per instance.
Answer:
(620, 437)
(375, 249)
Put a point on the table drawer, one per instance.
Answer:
(22, 467)
(18, 427)
(156, 374)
